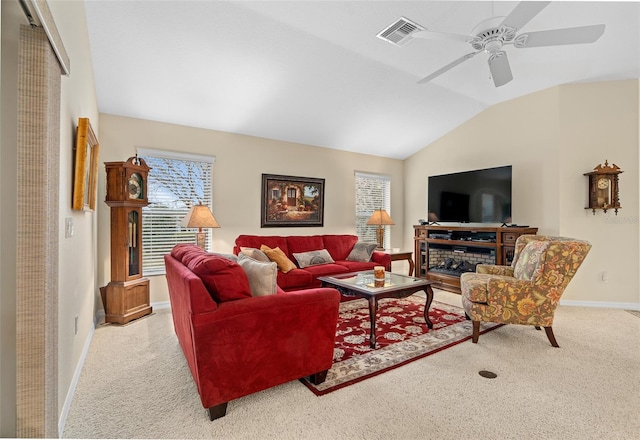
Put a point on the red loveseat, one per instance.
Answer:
(339, 247)
(236, 344)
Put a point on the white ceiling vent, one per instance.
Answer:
(400, 31)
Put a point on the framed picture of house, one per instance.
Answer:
(291, 201)
(85, 174)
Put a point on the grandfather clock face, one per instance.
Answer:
(135, 187)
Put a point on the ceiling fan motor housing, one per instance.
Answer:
(490, 36)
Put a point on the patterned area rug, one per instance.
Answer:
(401, 337)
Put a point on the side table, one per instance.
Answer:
(401, 255)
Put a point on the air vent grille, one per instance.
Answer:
(399, 33)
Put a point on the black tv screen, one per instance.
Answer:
(479, 196)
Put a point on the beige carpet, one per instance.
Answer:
(135, 384)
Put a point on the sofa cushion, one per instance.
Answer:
(313, 258)
(303, 243)
(224, 279)
(362, 251)
(181, 249)
(192, 254)
(530, 260)
(356, 266)
(262, 276)
(339, 246)
(279, 257)
(184, 252)
(326, 269)
(295, 279)
(254, 253)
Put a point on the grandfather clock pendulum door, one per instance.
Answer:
(126, 297)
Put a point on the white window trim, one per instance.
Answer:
(169, 154)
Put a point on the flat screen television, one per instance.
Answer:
(478, 196)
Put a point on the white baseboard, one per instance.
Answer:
(76, 376)
(161, 305)
(600, 304)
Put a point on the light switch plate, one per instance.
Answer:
(68, 227)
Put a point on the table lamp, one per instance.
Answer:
(199, 216)
(380, 218)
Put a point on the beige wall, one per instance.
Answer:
(237, 178)
(551, 138)
(77, 255)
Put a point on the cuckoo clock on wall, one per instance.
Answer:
(126, 297)
(604, 191)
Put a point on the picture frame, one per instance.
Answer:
(292, 201)
(85, 174)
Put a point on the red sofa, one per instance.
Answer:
(338, 246)
(236, 344)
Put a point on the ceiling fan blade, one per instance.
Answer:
(558, 37)
(523, 13)
(448, 67)
(431, 35)
(500, 69)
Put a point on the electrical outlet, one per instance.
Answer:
(68, 227)
(76, 324)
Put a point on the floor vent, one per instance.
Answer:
(399, 33)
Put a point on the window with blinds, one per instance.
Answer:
(176, 182)
(373, 191)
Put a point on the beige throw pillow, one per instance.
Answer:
(254, 253)
(262, 276)
(313, 258)
(362, 252)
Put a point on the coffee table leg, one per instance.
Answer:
(373, 306)
(429, 292)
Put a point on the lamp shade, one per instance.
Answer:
(380, 217)
(199, 216)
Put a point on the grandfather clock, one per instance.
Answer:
(126, 297)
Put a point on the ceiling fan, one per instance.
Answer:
(492, 35)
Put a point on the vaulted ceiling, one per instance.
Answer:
(314, 72)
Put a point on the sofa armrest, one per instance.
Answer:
(493, 269)
(251, 344)
(382, 258)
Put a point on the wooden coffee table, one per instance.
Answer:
(360, 284)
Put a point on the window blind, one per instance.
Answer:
(176, 182)
(373, 191)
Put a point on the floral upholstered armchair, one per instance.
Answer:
(528, 291)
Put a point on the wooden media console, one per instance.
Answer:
(443, 253)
